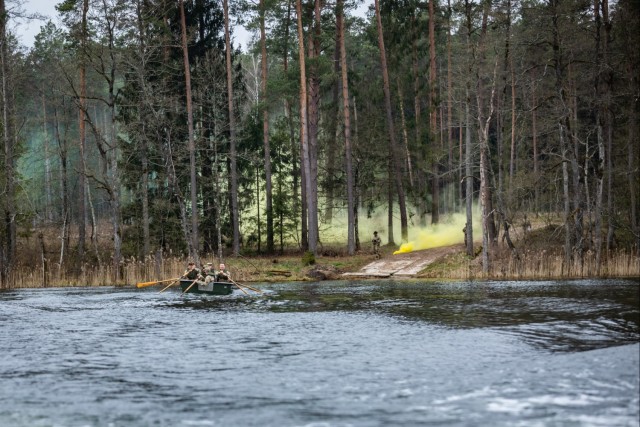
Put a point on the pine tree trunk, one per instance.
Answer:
(405, 135)
(396, 168)
(9, 251)
(347, 131)
(534, 132)
(195, 241)
(48, 213)
(608, 129)
(64, 188)
(468, 229)
(600, 130)
(333, 133)
(450, 106)
(82, 141)
(312, 236)
(235, 213)
(433, 119)
(265, 132)
(297, 165)
(313, 122)
(144, 155)
(422, 200)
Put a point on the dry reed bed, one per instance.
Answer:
(527, 266)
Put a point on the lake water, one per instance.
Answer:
(363, 353)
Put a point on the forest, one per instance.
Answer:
(138, 129)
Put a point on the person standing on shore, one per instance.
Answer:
(376, 241)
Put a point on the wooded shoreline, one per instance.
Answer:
(456, 265)
(139, 134)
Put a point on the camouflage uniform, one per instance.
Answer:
(376, 241)
(209, 273)
(192, 274)
(223, 275)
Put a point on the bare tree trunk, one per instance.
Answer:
(391, 129)
(333, 134)
(195, 240)
(173, 185)
(512, 164)
(608, 129)
(347, 131)
(632, 163)
(391, 239)
(405, 136)
(94, 226)
(313, 101)
(468, 229)
(48, 212)
(146, 244)
(9, 251)
(488, 225)
(600, 125)
(566, 199)
(534, 132)
(144, 156)
(235, 213)
(312, 236)
(356, 180)
(577, 181)
(64, 187)
(82, 134)
(449, 101)
(265, 132)
(433, 119)
(43, 260)
(422, 200)
(297, 171)
(218, 207)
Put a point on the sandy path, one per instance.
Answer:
(403, 265)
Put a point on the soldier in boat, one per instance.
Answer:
(192, 273)
(209, 272)
(223, 275)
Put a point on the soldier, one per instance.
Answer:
(223, 275)
(209, 272)
(376, 241)
(191, 273)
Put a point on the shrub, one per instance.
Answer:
(308, 258)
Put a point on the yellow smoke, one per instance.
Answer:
(448, 232)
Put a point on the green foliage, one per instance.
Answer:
(308, 258)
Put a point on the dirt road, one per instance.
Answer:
(403, 265)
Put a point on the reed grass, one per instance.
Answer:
(538, 258)
(534, 265)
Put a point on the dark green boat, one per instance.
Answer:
(211, 288)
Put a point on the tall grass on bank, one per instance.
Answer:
(533, 265)
(545, 265)
(243, 269)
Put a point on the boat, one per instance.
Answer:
(211, 288)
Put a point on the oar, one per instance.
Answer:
(192, 283)
(169, 285)
(239, 287)
(247, 286)
(155, 282)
